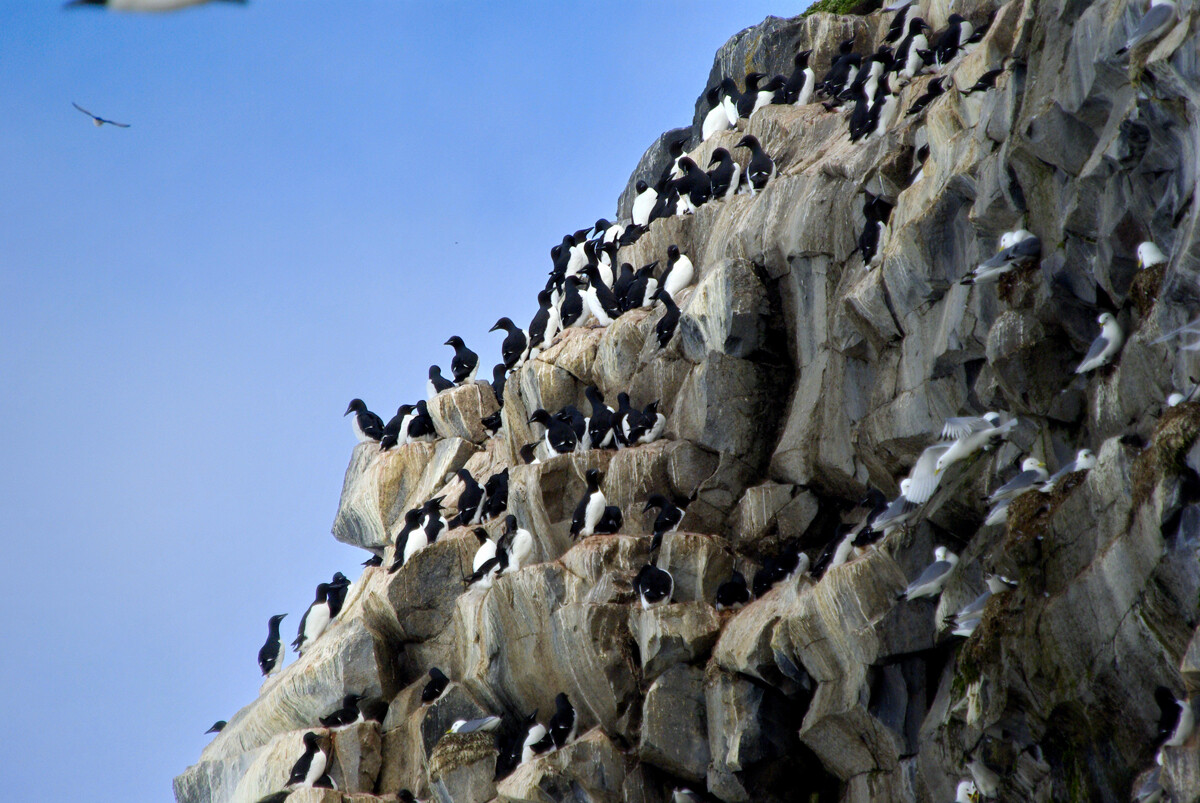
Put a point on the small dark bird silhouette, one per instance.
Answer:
(99, 121)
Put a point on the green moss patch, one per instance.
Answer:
(842, 7)
(1143, 290)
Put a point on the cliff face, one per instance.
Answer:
(798, 379)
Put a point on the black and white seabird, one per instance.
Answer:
(563, 724)
(747, 98)
(600, 298)
(726, 176)
(484, 566)
(984, 83)
(1105, 346)
(761, 168)
(716, 120)
(591, 507)
(694, 186)
(668, 518)
(339, 587)
(144, 5)
(968, 617)
(1177, 718)
(395, 432)
(790, 562)
(560, 437)
(654, 586)
(470, 501)
(907, 56)
(436, 685)
(420, 427)
(664, 330)
(800, 86)
(931, 581)
(876, 212)
(314, 621)
(733, 593)
(434, 523)
(642, 288)
(643, 203)
(1153, 24)
(600, 423)
(271, 652)
(496, 495)
(541, 330)
(769, 93)
(436, 383)
(412, 524)
(217, 726)
(515, 343)
(537, 740)
(519, 544)
(346, 715)
(570, 308)
(842, 71)
(99, 121)
(311, 765)
(679, 272)
(646, 426)
(499, 378)
(896, 27)
(464, 363)
(951, 40)
(931, 91)
(367, 426)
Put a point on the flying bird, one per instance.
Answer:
(99, 121)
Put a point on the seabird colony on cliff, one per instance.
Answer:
(589, 286)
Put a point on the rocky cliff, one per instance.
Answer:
(799, 378)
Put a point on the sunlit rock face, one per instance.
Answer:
(797, 379)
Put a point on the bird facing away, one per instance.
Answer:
(435, 687)
(99, 121)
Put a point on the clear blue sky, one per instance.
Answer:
(312, 198)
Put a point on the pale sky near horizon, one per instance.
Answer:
(312, 197)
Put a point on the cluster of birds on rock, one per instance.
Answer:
(589, 286)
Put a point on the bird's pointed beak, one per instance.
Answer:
(648, 507)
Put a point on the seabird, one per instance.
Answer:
(1177, 718)
(747, 99)
(679, 272)
(966, 792)
(499, 378)
(842, 70)
(513, 347)
(733, 593)
(485, 552)
(653, 586)
(1026, 249)
(898, 511)
(339, 587)
(998, 514)
(1153, 24)
(496, 495)
(271, 652)
(311, 765)
(412, 524)
(1033, 473)
(788, 563)
(924, 477)
(217, 726)
(570, 308)
(798, 90)
(876, 212)
(1149, 255)
(520, 544)
(539, 328)
(489, 569)
(464, 363)
(395, 432)
(726, 177)
(591, 507)
(883, 111)
(435, 687)
(367, 426)
(314, 621)
(436, 383)
(908, 51)
(434, 522)
(761, 168)
(769, 93)
(346, 715)
(420, 427)
(642, 288)
(934, 578)
(599, 298)
(1084, 460)
(563, 724)
(537, 740)
(645, 426)
(668, 518)
(475, 725)
(932, 91)
(470, 501)
(896, 26)
(716, 120)
(418, 537)
(600, 423)
(951, 40)
(664, 330)
(694, 186)
(143, 5)
(99, 121)
(560, 438)
(970, 434)
(967, 619)
(643, 203)
(985, 82)
(1105, 346)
